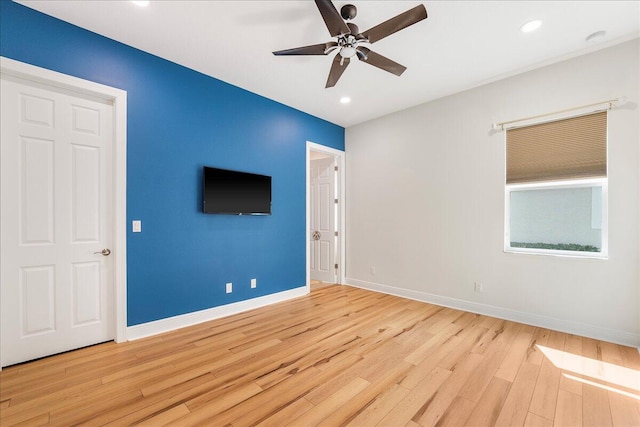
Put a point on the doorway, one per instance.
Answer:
(325, 215)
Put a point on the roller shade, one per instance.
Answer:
(565, 149)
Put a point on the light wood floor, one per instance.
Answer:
(317, 284)
(338, 356)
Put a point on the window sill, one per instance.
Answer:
(557, 253)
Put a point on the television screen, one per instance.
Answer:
(235, 193)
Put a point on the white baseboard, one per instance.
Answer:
(172, 323)
(561, 325)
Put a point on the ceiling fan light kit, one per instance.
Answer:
(350, 40)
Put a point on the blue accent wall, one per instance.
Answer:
(179, 121)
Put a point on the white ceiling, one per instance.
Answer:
(462, 44)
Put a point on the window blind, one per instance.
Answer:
(571, 148)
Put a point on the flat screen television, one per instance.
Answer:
(235, 193)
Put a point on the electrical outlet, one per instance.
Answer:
(229, 287)
(254, 283)
(372, 271)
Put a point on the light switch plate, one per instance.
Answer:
(136, 226)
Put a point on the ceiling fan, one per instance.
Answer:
(350, 40)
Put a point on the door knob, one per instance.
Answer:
(316, 235)
(105, 252)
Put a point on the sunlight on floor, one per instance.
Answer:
(605, 387)
(595, 370)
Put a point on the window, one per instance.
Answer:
(556, 187)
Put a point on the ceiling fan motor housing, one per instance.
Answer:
(348, 11)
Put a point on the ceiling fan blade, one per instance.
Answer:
(335, 24)
(336, 70)
(372, 58)
(396, 24)
(316, 49)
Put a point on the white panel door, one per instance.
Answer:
(56, 210)
(322, 238)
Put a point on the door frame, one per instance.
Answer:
(339, 157)
(10, 68)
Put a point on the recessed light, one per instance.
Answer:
(596, 37)
(345, 100)
(531, 26)
(141, 3)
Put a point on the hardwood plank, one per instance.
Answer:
(517, 353)
(470, 336)
(458, 413)
(353, 407)
(479, 380)
(414, 336)
(339, 356)
(432, 411)
(466, 319)
(507, 331)
(272, 400)
(630, 357)
(149, 407)
(539, 338)
(292, 411)
(446, 334)
(314, 356)
(166, 417)
(213, 366)
(39, 383)
(85, 410)
(376, 364)
(611, 353)
(545, 394)
(490, 404)
(595, 407)
(192, 358)
(39, 420)
(325, 390)
(374, 411)
(488, 338)
(534, 420)
(41, 404)
(221, 400)
(319, 412)
(420, 396)
(572, 347)
(568, 410)
(515, 409)
(5, 404)
(625, 410)
(489, 322)
(422, 370)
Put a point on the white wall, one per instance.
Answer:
(425, 203)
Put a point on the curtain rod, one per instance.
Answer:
(611, 103)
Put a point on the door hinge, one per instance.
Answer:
(336, 266)
(336, 234)
(336, 200)
(335, 168)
